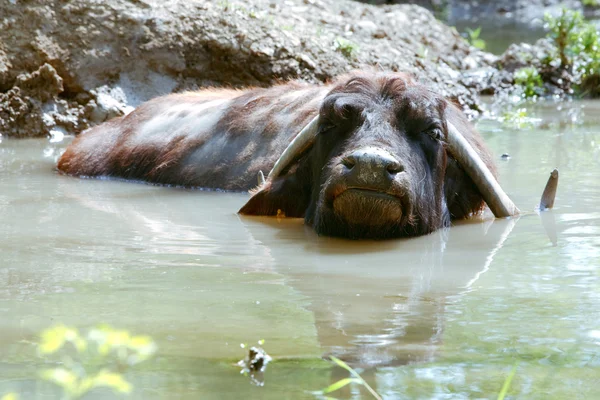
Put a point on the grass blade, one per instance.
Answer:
(342, 364)
(359, 378)
(340, 384)
(507, 383)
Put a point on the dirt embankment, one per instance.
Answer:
(66, 65)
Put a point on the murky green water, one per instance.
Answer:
(499, 35)
(444, 316)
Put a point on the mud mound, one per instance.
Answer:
(69, 65)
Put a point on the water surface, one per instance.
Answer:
(443, 316)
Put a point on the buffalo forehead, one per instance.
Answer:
(406, 103)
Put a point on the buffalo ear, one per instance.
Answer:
(282, 196)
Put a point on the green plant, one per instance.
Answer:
(422, 51)
(530, 80)
(564, 31)
(518, 119)
(588, 52)
(356, 378)
(346, 47)
(97, 359)
(226, 5)
(507, 383)
(591, 3)
(474, 38)
(578, 46)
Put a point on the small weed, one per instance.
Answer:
(591, 3)
(518, 119)
(422, 51)
(226, 5)
(346, 47)
(530, 80)
(356, 378)
(474, 38)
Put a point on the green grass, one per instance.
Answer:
(474, 38)
(530, 80)
(507, 383)
(356, 379)
(346, 47)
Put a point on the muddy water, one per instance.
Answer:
(443, 316)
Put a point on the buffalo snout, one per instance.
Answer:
(372, 167)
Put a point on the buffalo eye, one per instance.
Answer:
(345, 111)
(326, 127)
(434, 132)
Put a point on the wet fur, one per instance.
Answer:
(221, 139)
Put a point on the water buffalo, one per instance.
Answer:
(380, 155)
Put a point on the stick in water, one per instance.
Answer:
(549, 194)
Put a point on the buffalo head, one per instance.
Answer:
(376, 163)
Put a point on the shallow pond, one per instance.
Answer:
(445, 316)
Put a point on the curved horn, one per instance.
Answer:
(297, 146)
(500, 204)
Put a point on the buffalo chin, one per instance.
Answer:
(362, 214)
(367, 207)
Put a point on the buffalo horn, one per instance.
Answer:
(302, 142)
(467, 157)
(260, 178)
(500, 204)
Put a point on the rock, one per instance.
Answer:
(31, 107)
(42, 84)
(367, 26)
(21, 113)
(520, 55)
(557, 81)
(20, 116)
(255, 364)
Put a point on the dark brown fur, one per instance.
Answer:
(252, 129)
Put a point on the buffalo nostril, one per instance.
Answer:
(348, 162)
(394, 168)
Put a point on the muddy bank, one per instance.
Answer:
(65, 66)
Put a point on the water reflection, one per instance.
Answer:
(382, 303)
(374, 303)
